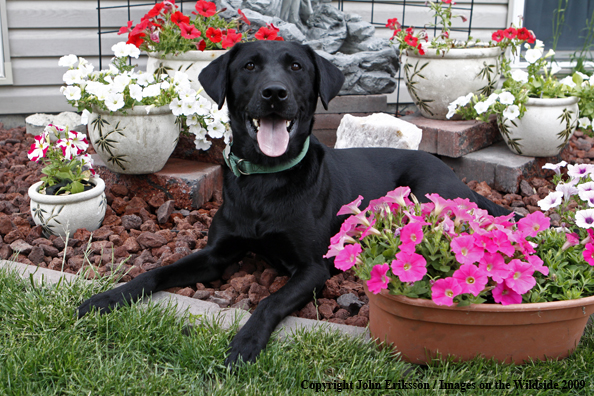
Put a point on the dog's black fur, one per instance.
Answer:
(286, 217)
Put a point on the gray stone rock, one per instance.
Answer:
(350, 302)
(36, 123)
(165, 211)
(131, 222)
(377, 130)
(21, 246)
(327, 29)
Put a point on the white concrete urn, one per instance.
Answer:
(191, 63)
(64, 214)
(435, 80)
(136, 142)
(545, 128)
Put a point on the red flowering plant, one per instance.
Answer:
(165, 29)
(449, 251)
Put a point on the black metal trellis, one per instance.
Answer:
(372, 3)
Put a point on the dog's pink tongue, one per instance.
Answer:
(273, 137)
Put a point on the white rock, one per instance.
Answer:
(36, 123)
(377, 130)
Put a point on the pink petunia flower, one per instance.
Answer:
(571, 239)
(494, 266)
(351, 208)
(409, 267)
(347, 257)
(465, 249)
(440, 203)
(533, 223)
(471, 279)
(502, 240)
(485, 242)
(504, 295)
(538, 265)
(443, 291)
(400, 196)
(412, 233)
(379, 280)
(520, 279)
(588, 253)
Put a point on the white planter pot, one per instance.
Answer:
(191, 63)
(64, 214)
(544, 129)
(435, 80)
(136, 142)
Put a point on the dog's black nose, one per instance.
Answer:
(274, 92)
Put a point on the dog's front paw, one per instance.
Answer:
(246, 346)
(103, 302)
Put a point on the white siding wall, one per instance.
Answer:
(40, 32)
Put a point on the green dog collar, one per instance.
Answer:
(240, 166)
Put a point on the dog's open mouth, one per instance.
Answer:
(272, 134)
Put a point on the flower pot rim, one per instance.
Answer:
(524, 307)
(545, 102)
(136, 111)
(189, 55)
(457, 53)
(71, 198)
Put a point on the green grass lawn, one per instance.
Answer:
(45, 350)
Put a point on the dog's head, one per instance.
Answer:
(272, 88)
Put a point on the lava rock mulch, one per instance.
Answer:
(138, 235)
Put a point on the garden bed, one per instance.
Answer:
(139, 235)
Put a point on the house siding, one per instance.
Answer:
(40, 32)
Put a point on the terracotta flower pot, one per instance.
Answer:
(421, 330)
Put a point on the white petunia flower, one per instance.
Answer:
(567, 189)
(120, 49)
(133, 51)
(72, 93)
(199, 131)
(511, 112)
(145, 79)
(584, 218)
(177, 107)
(507, 98)
(552, 200)
(451, 110)
(550, 53)
(216, 130)
(584, 122)
(73, 76)
(492, 99)
(555, 167)
(532, 55)
(555, 68)
(481, 107)
(578, 171)
(120, 83)
(136, 92)
(568, 81)
(151, 90)
(192, 120)
(114, 101)
(202, 144)
(519, 75)
(84, 117)
(68, 60)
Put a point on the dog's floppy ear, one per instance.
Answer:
(213, 78)
(329, 78)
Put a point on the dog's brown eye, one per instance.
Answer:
(250, 66)
(295, 66)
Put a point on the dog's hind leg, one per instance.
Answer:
(203, 266)
(254, 335)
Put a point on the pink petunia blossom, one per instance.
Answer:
(502, 240)
(471, 279)
(379, 280)
(440, 203)
(370, 230)
(588, 253)
(400, 196)
(412, 233)
(465, 249)
(409, 267)
(351, 208)
(520, 278)
(485, 242)
(347, 257)
(571, 239)
(443, 291)
(537, 263)
(504, 295)
(533, 223)
(494, 266)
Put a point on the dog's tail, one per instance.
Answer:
(493, 208)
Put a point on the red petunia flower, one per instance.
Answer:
(156, 10)
(243, 17)
(393, 24)
(206, 8)
(214, 35)
(126, 29)
(396, 31)
(178, 18)
(510, 33)
(524, 34)
(189, 31)
(411, 40)
(497, 36)
(421, 51)
(136, 39)
(201, 45)
(231, 38)
(265, 33)
(410, 30)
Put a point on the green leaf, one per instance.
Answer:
(76, 187)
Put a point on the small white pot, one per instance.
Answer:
(136, 142)
(545, 128)
(435, 80)
(191, 63)
(64, 214)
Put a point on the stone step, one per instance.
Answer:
(454, 138)
(499, 167)
(189, 183)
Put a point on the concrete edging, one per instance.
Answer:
(227, 317)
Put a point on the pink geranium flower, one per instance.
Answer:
(379, 280)
(504, 295)
(347, 257)
(409, 267)
(533, 224)
(520, 279)
(443, 291)
(465, 249)
(471, 279)
(494, 266)
(588, 253)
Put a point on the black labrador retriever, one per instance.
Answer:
(282, 200)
